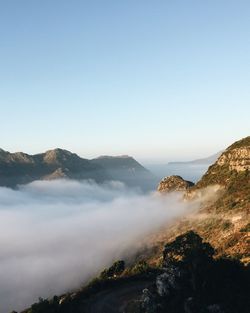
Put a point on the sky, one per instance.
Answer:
(158, 80)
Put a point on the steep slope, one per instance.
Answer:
(20, 168)
(224, 226)
(224, 223)
(128, 170)
(232, 172)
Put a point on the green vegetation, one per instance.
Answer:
(226, 225)
(236, 183)
(139, 268)
(116, 269)
(240, 143)
(112, 277)
(245, 229)
(190, 281)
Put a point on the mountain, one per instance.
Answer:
(224, 221)
(128, 170)
(209, 160)
(21, 168)
(194, 265)
(232, 172)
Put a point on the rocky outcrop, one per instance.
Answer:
(232, 165)
(174, 183)
(237, 159)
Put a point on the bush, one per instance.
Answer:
(116, 269)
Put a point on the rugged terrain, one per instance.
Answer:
(174, 183)
(204, 266)
(21, 168)
(224, 222)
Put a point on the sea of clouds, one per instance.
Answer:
(56, 235)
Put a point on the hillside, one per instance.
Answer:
(128, 170)
(199, 269)
(225, 223)
(21, 168)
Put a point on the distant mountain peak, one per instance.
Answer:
(58, 155)
(208, 160)
(20, 168)
(58, 151)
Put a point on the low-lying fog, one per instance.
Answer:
(56, 235)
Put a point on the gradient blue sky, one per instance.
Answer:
(159, 80)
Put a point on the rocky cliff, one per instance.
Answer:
(230, 166)
(225, 223)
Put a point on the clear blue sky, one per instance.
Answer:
(159, 80)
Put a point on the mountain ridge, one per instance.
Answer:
(22, 168)
(216, 237)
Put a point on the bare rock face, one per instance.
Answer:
(58, 173)
(238, 159)
(174, 183)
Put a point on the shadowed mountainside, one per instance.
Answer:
(21, 168)
(128, 170)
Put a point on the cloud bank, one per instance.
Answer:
(56, 235)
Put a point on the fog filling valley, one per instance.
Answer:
(56, 235)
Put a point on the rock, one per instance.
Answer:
(174, 183)
(233, 166)
(58, 173)
(238, 159)
(168, 281)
